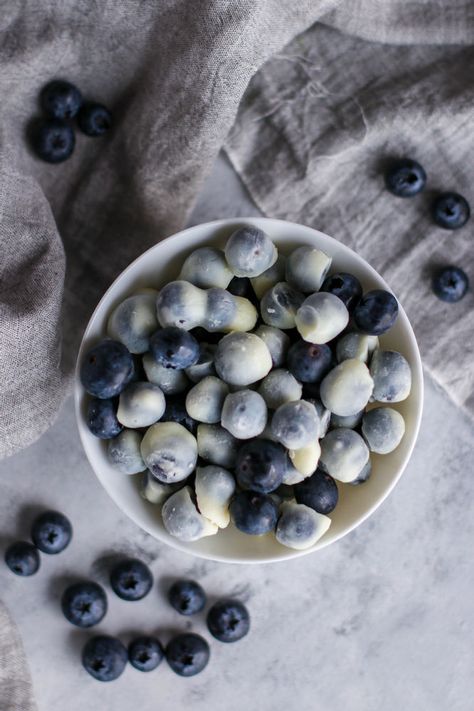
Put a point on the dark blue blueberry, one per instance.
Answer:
(346, 287)
(261, 465)
(405, 178)
(51, 532)
(175, 348)
(94, 119)
(309, 362)
(131, 579)
(84, 604)
(450, 284)
(254, 513)
(187, 654)
(145, 653)
(60, 99)
(104, 658)
(319, 492)
(228, 620)
(187, 597)
(52, 140)
(102, 418)
(22, 558)
(176, 412)
(376, 312)
(451, 211)
(107, 369)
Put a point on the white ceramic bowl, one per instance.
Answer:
(161, 264)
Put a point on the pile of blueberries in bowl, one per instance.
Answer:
(247, 388)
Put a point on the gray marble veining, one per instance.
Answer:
(381, 621)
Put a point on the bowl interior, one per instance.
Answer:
(161, 264)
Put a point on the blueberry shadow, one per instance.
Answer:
(25, 517)
(58, 584)
(101, 567)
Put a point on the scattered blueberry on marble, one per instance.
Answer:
(104, 657)
(131, 579)
(84, 604)
(187, 654)
(319, 492)
(52, 140)
(51, 532)
(254, 513)
(405, 178)
(60, 99)
(346, 287)
(174, 347)
(228, 620)
(94, 119)
(101, 418)
(22, 558)
(187, 597)
(376, 312)
(450, 284)
(145, 653)
(107, 369)
(451, 211)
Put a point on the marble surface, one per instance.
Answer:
(381, 621)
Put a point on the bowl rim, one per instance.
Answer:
(416, 366)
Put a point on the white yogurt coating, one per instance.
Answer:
(296, 424)
(383, 429)
(306, 268)
(205, 400)
(216, 445)
(343, 454)
(292, 475)
(299, 526)
(133, 321)
(244, 414)
(215, 487)
(245, 318)
(154, 491)
(123, 452)
(206, 267)
(269, 277)
(242, 359)
(356, 345)
(324, 416)
(181, 304)
(321, 317)
(347, 388)
(279, 305)
(205, 364)
(278, 387)
(249, 252)
(392, 376)
(169, 380)
(169, 451)
(140, 405)
(306, 459)
(182, 519)
(277, 341)
(349, 421)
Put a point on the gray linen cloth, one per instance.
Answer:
(16, 693)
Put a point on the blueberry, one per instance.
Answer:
(228, 620)
(60, 99)
(107, 369)
(296, 424)
(376, 312)
(94, 119)
(101, 418)
(22, 558)
(84, 604)
(241, 286)
(319, 492)
(250, 252)
(391, 375)
(309, 362)
(51, 532)
(300, 526)
(254, 513)
(260, 465)
(206, 267)
(145, 653)
(279, 305)
(450, 284)
(104, 658)
(183, 520)
(346, 287)
(123, 452)
(244, 414)
(451, 211)
(176, 412)
(169, 451)
(405, 178)
(131, 579)
(52, 140)
(187, 597)
(187, 654)
(174, 348)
